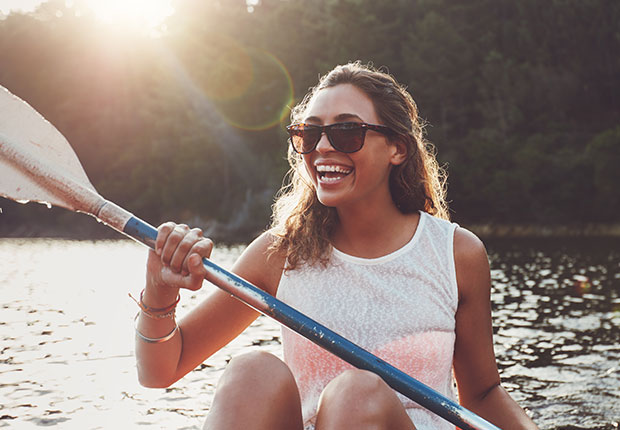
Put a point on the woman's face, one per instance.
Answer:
(341, 178)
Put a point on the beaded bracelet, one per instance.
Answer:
(154, 339)
(166, 312)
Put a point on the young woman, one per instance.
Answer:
(361, 243)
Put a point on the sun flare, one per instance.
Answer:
(146, 16)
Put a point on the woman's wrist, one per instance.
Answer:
(159, 296)
(155, 321)
(156, 312)
(160, 299)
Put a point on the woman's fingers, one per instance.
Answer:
(172, 237)
(197, 272)
(202, 249)
(181, 251)
(178, 260)
(162, 234)
(192, 280)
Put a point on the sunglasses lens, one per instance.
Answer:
(346, 137)
(304, 137)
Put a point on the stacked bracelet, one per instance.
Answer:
(154, 339)
(166, 312)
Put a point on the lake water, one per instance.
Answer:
(66, 335)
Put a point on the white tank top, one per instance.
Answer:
(401, 307)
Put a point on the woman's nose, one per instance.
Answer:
(324, 144)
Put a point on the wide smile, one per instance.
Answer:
(332, 173)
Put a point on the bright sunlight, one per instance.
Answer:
(142, 16)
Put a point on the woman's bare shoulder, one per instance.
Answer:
(472, 263)
(261, 265)
(467, 244)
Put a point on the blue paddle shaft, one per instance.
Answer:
(325, 338)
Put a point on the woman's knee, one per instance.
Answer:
(357, 383)
(249, 382)
(361, 397)
(257, 371)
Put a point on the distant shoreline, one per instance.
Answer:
(590, 230)
(484, 231)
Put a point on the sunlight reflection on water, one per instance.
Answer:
(557, 329)
(66, 336)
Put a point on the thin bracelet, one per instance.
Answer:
(166, 312)
(170, 314)
(154, 339)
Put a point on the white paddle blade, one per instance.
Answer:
(35, 157)
(16, 186)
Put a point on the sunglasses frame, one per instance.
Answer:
(294, 130)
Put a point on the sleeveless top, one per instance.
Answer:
(400, 307)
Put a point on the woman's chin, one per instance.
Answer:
(329, 198)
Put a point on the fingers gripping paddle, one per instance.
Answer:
(38, 164)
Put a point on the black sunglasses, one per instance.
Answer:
(344, 136)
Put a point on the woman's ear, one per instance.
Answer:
(399, 153)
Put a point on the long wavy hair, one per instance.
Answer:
(302, 225)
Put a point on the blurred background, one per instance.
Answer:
(177, 108)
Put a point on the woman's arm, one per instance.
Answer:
(209, 326)
(475, 367)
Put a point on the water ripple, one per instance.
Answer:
(66, 341)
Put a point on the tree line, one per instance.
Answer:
(521, 100)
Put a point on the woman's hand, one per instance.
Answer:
(176, 262)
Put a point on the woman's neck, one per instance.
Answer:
(373, 232)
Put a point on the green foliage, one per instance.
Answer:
(521, 100)
(603, 153)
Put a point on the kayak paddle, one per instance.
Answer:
(38, 164)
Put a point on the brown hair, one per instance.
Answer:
(302, 225)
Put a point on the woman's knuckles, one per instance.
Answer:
(196, 232)
(166, 227)
(203, 247)
(181, 229)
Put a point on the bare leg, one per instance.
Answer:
(256, 391)
(358, 399)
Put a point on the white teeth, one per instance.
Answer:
(336, 169)
(334, 179)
